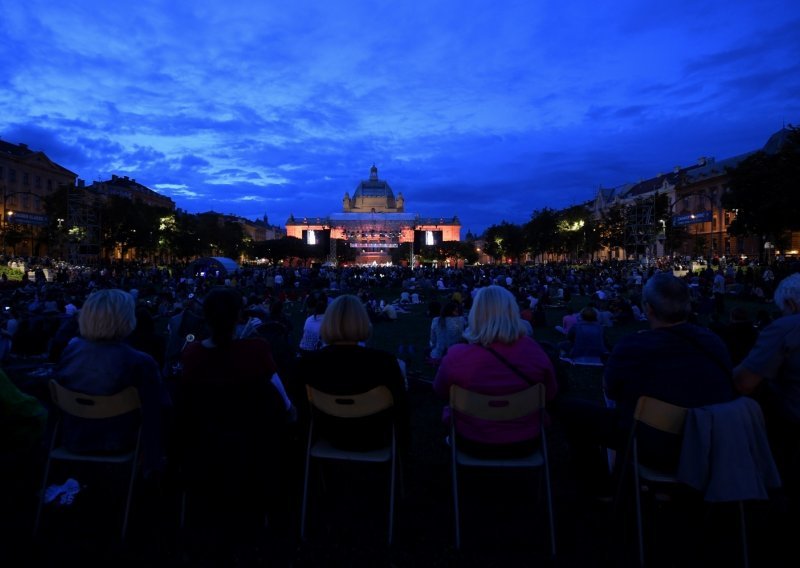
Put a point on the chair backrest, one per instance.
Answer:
(660, 415)
(94, 406)
(358, 405)
(498, 407)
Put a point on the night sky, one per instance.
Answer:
(485, 110)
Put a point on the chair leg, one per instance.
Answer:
(743, 528)
(305, 500)
(393, 466)
(638, 495)
(455, 499)
(129, 499)
(41, 497)
(550, 517)
(305, 482)
(183, 510)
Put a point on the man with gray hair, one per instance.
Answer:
(771, 373)
(675, 361)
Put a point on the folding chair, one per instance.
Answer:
(360, 405)
(91, 407)
(671, 419)
(500, 408)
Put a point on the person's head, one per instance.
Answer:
(666, 298)
(787, 294)
(494, 317)
(450, 309)
(317, 304)
(222, 309)
(345, 321)
(588, 314)
(107, 315)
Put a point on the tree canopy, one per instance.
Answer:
(764, 190)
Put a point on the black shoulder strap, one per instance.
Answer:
(508, 364)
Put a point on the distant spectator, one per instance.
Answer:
(446, 329)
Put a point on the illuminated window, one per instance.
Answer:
(429, 238)
(312, 238)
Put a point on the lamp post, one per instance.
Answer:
(60, 222)
(768, 248)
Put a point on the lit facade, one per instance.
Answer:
(373, 222)
(27, 177)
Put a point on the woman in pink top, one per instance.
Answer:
(499, 354)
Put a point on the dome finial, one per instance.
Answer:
(373, 172)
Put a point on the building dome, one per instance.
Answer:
(776, 141)
(373, 194)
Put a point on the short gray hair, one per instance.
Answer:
(788, 289)
(668, 297)
(107, 315)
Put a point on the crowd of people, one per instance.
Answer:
(224, 376)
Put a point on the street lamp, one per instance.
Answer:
(768, 248)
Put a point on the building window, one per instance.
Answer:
(1, 172)
(49, 185)
(25, 178)
(38, 181)
(12, 175)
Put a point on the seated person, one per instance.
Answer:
(231, 412)
(586, 339)
(569, 319)
(499, 358)
(447, 329)
(344, 330)
(100, 362)
(770, 372)
(674, 361)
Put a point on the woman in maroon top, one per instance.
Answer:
(230, 418)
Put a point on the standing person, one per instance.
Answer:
(718, 291)
(499, 358)
(771, 373)
(346, 366)
(231, 411)
(100, 362)
(447, 329)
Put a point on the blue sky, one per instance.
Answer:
(485, 110)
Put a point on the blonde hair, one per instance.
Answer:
(345, 321)
(107, 314)
(494, 317)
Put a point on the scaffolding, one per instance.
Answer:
(83, 223)
(640, 228)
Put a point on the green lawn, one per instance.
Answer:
(408, 336)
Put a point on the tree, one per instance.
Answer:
(763, 190)
(459, 250)
(610, 228)
(541, 232)
(506, 240)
